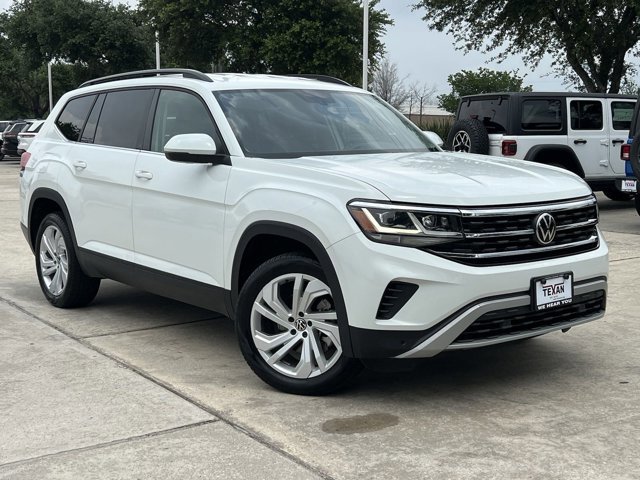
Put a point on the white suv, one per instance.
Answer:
(310, 212)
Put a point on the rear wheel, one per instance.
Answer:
(287, 327)
(638, 203)
(62, 281)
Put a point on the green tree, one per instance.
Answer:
(483, 80)
(268, 36)
(588, 41)
(96, 35)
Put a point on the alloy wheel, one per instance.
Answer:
(54, 262)
(461, 142)
(294, 326)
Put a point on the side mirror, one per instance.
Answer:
(434, 137)
(192, 148)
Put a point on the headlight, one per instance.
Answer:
(407, 225)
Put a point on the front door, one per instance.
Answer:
(178, 208)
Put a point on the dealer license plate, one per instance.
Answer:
(628, 186)
(552, 291)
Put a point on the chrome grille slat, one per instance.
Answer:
(500, 235)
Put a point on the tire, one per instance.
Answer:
(269, 328)
(638, 203)
(55, 253)
(468, 135)
(618, 196)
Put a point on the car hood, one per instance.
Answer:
(445, 178)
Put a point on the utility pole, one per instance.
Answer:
(365, 45)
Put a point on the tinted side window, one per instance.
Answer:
(178, 113)
(492, 112)
(541, 114)
(622, 113)
(586, 115)
(123, 118)
(73, 116)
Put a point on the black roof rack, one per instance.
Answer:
(320, 78)
(185, 72)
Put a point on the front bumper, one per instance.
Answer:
(450, 295)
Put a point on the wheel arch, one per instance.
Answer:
(290, 238)
(44, 201)
(561, 154)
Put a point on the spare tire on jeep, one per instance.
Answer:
(468, 135)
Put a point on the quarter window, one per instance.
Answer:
(179, 113)
(73, 116)
(541, 114)
(586, 115)
(123, 118)
(622, 113)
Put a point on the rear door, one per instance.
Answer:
(100, 168)
(588, 135)
(621, 112)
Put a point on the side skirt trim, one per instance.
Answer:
(155, 281)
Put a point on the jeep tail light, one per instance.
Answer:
(24, 159)
(625, 152)
(509, 148)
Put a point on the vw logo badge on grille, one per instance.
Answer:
(545, 228)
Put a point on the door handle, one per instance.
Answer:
(144, 174)
(80, 165)
(617, 140)
(580, 141)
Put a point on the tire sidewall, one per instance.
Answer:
(478, 136)
(268, 271)
(55, 220)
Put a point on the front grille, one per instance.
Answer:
(502, 323)
(507, 235)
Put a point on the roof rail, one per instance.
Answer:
(320, 78)
(185, 72)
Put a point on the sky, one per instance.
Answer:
(429, 57)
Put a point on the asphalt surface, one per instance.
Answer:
(138, 386)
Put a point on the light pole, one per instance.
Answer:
(50, 86)
(365, 44)
(157, 50)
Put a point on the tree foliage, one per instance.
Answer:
(84, 39)
(588, 41)
(268, 36)
(483, 80)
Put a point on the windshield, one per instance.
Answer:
(295, 123)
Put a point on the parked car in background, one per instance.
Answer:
(10, 137)
(26, 136)
(3, 125)
(580, 132)
(630, 153)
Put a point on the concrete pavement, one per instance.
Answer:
(137, 386)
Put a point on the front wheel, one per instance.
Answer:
(62, 281)
(638, 203)
(287, 327)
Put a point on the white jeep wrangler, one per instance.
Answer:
(580, 132)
